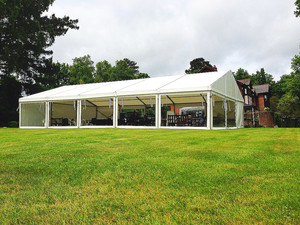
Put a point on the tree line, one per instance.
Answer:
(83, 70)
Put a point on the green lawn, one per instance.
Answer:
(137, 176)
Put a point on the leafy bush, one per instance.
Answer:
(13, 124)
(277, 119)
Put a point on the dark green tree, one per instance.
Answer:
(133, 65)
(295, 65)
(59, 75)
(274, 100)
(82, 70)
(282, 86)
(297, 4)
(26, 35)
(241, 74)
(103, 71)
(291, 82)
(289, 105)
(10, 92)
(197, 64)
(125, 69)
(294, 84)
(261, 77)
(143, 75)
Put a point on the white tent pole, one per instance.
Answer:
(157, 111)
(47, 115)
(116, 111)
(236, 113)
(241, 111)
(209, 111)
(78, 113)
(114, 114)
(20, 114)
(225, 108)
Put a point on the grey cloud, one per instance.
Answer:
(163, 36)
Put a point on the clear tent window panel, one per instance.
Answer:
(136, 111)
(97, 112)
(63, 113)
(218, 103)
(33, 114)
(231, 112)
(187, 110)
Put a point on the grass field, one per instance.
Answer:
(149, 176)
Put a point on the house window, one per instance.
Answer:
(245, 91)
(246, 99)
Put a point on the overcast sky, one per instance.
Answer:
(164, 36)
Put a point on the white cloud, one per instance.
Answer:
(164, 36)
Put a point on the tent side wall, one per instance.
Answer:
(240, 114)
(227, 88)
(32, 115)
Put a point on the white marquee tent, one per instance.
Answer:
(198, 101)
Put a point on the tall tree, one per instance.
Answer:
(133, 65)
(58, 75)
(282, 86)
(26, 34)
(82, 70)
(289, 103)
(297, 12)
(295, 66)
(10, 92)
(261, 77)
(103, 71)
(294, 85)
(241, 74)
(124, 69)
(197, 64)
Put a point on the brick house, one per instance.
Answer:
(262, 96)
(256, 98)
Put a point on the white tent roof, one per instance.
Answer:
(220, 82)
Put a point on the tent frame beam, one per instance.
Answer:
(141, 101)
